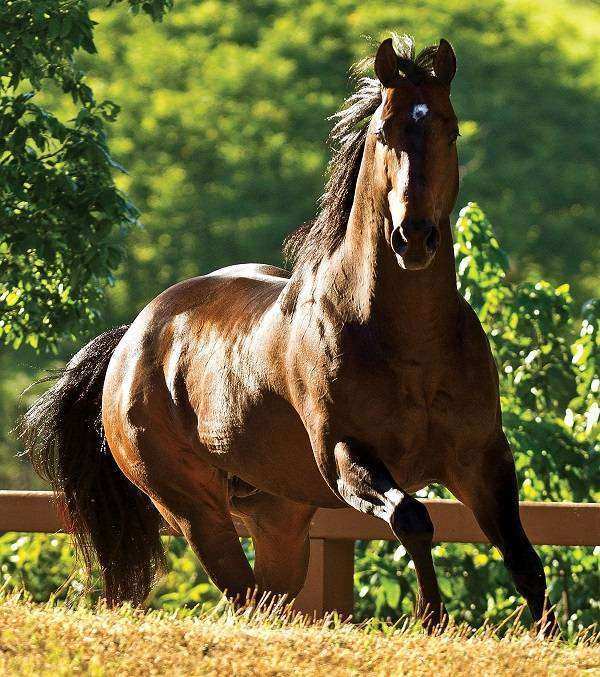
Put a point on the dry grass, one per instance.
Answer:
(43, 640)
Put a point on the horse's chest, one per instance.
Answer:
(419, 410)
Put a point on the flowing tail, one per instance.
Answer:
(113, 523)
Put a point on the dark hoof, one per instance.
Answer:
(435, 621)
(548, 627)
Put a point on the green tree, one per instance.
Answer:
(62, 218)
(225, 118)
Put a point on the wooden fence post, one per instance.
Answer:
(329, 582)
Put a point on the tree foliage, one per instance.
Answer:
(225, 113)
(62, 218)
(225, 118)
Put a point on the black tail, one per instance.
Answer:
(113, 523)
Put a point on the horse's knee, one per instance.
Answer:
(410, 521)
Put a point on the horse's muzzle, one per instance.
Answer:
(415, 243)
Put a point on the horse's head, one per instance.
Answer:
(416, 165)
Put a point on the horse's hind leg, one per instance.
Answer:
(490, 490)
(366, 484)
(198, 507)
(279, 530)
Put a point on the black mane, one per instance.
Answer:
(320, 237)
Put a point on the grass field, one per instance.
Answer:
(44, 640)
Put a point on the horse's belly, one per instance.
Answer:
(268, 447)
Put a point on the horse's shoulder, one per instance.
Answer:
(475, 349)
(469, 325)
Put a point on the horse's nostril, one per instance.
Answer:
(398, 241)
(432, 239)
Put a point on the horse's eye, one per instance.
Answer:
(453, 136)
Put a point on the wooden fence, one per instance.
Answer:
(329, 583)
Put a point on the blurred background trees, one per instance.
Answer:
(222, 128)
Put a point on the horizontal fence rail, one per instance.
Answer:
(545, 523)
(329, 583)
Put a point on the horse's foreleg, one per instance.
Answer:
(366, 484)
(279, 530)
(492, 494)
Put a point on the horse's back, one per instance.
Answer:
(237, 285)
(252, 270)
(175, 327)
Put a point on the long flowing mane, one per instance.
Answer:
(320, 237)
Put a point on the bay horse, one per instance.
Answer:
(356, 379)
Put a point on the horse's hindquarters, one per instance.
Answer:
(190, 391)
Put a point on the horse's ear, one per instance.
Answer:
(386, 63)
(444, 63)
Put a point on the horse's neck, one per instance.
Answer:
(414, 310)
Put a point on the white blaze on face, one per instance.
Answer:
(419, 111)
(396, 200)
